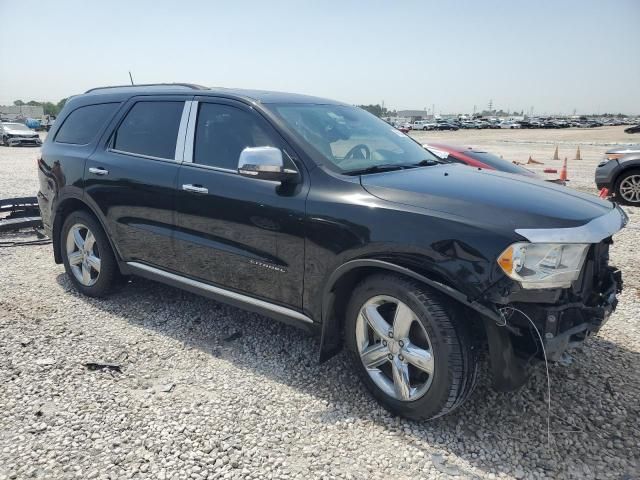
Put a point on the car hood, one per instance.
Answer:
(24, 133)
(488, 197)
(625, 149)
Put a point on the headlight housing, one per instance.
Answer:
(543, 265)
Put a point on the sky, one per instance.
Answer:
(552, 56)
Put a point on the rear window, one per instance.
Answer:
(83, 124)
(496, 162)
(150, 129)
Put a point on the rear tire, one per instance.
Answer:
(627, 188)
(87, 255)
(419, 386)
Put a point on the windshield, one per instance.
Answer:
(350, 139)
(15, 126)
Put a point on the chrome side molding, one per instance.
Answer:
(287, 312)
(592, 232)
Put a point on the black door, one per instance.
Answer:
(132, 175)
(239, 233)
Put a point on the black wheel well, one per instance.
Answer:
(66, 207)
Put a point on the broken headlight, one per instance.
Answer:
(543, 265)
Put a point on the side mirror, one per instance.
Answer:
(265, 163)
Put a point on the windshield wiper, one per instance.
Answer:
(426, 162)
(386, 167)
(389, 167)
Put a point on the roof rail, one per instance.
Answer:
(192, 86)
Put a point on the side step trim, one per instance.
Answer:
(238, 297)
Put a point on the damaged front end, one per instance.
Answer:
(561, 318)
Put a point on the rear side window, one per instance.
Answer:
(150, 129)
(83, 124)
(222, 132)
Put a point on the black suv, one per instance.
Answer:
(319, 214)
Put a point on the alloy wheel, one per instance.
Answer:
(394, 348)
(630, 188)
(83, 254)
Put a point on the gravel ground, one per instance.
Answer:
(204, 390)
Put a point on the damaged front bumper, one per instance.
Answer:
(566, 325)
(13, 141)
(562, 318)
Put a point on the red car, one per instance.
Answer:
(476, 158)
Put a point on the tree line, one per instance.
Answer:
(49, 108)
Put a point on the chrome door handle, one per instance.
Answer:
(98, 171)
(195, 188)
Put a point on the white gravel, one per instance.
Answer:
(209, 391)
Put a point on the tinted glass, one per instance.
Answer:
(222, 132)
(497, 162)
(349, 138)
(151, 129)
(84, 123)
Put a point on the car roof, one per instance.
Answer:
(111, 93)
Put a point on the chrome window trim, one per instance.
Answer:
(592, 232)
(211, 167)
(182, 131)
(140, 155)
(288, 312)
(190, 134)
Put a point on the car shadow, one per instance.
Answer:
(480, 433)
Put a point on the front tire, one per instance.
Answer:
(410, 347)
(627, 188)
(87, 255)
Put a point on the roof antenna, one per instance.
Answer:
(130, 77)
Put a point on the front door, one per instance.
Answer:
(132, 176)
(239, 233)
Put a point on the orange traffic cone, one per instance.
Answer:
(531, 161)
(555, 154)
(578, 157)
(563, 170)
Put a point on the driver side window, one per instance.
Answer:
(223, 131)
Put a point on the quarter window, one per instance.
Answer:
(82, 125)
(150, 129)
(222, 132)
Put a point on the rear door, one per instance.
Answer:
(132, 176)
(239, 233)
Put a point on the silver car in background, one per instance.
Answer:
(13, 134)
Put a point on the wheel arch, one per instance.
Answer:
(66, 207)
(622, 170)
(344, 278)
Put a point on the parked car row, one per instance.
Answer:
(441, 124)
(479, 123)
